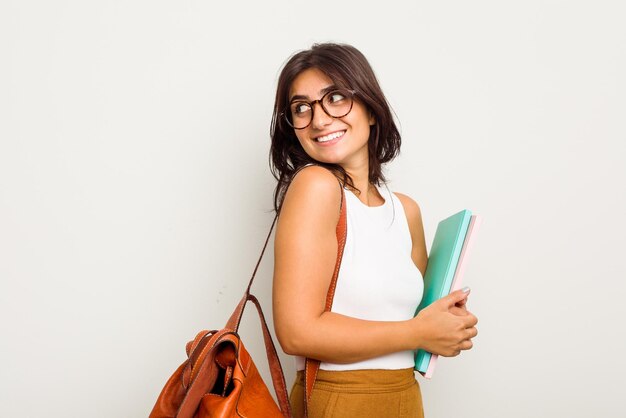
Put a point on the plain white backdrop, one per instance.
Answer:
(135, 192)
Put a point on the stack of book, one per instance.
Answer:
(444, 273)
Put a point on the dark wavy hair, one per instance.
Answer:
(347, 67)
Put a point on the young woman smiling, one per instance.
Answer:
(331, 123)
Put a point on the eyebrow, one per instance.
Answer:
(322, 93)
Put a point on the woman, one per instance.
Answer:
(331, 123)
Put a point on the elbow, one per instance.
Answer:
(288, 346)
(290, 342)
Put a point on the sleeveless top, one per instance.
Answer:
(377, 279)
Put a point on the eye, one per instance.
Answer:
(336, 97)
(300, 108)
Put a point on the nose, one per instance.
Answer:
(320, 117)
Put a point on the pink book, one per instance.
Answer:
(473, 227)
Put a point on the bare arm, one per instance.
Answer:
(305, 253)
(416, 227)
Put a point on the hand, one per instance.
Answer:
(446, 327)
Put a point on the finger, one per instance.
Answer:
(466, 345)
(471, 333)
(470, 320)
(453, 353)
(455, 310)
(455, 297)
(461, 306)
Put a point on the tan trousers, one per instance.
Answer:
(360, 393)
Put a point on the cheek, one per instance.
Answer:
(363, 119)
(301, 138)
(362, 125)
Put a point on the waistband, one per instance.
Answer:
(362, 381)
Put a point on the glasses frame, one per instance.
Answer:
(285, 113)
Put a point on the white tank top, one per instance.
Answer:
(377, 280)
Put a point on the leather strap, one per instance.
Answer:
(200, 373)
(311, 366)
(276, 370)
(235, 318)
(204, 378)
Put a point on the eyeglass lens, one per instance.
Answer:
(336, 103)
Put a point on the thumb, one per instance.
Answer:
(456, 297)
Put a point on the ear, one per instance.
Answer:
(372, 119)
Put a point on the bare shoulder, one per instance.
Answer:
(314, 178)
(313, 193)
(416, 228)
(411, 208)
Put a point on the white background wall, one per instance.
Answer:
(135, 192)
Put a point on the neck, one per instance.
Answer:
(360, 177)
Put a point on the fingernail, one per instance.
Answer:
(466, 289)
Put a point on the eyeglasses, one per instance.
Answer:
(335, 103)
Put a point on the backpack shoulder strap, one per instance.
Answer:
(312, 366)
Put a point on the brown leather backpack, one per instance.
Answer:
(219, 378)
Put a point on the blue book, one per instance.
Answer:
(442, 263)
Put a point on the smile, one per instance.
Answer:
(330, 137)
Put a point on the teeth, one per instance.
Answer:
(330, 137)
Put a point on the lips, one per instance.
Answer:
(330, 137)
